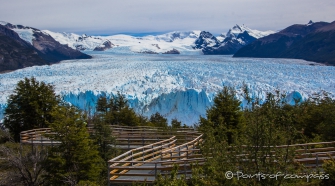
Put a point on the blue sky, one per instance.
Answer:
(105, 17)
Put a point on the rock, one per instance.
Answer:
(80, 47)
(148, 52)
(156, 45)
(173, 51)
(104, 46)
(205, 39)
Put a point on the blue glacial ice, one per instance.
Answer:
(177, 86)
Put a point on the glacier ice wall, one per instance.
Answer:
(185, 105)
(177, 86)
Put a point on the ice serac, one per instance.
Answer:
(186, 105)
(293, 98)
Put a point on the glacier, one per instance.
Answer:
(177, 86)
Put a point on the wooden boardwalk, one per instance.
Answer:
(145, 163)
(153, 151)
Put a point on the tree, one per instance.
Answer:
(225, 118)
(172, 179)
(318, 119)
(21, 165)
(329, 169)
(270, 125)
(158, 120)
(116, 111)
(102, 105)
(101, 134)
(223, 135)
(29, 106)
(76, 158)
(175, 123)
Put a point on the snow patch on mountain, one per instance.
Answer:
(25, 34)
(239, 29)
(231, 42)
(181, 41)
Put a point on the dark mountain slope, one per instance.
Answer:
(317, 46)
(52, 51)
(15, 53)
(311, 42)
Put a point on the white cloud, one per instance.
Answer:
(112, 16)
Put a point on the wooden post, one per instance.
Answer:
(179, 152)
(109, 175)
(32, 143)
(187, 152)
(155, 170)
(185, 169)
(153, 154)
(128, 142)
(317, 160)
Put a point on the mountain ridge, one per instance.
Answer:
(19, 41)
(16, 53)
(233, 40)
(311, 42)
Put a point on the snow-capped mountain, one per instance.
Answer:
(239, 29)
(204, 40)
(192, 42)
(17, 40)
(75, 41)
(233, 40)
(180, 41)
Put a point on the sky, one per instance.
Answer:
(136, 17)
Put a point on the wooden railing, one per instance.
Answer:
(126, 137)
(37, 137)
(140, 165)
(313, 155)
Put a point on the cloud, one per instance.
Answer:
(111, 16)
